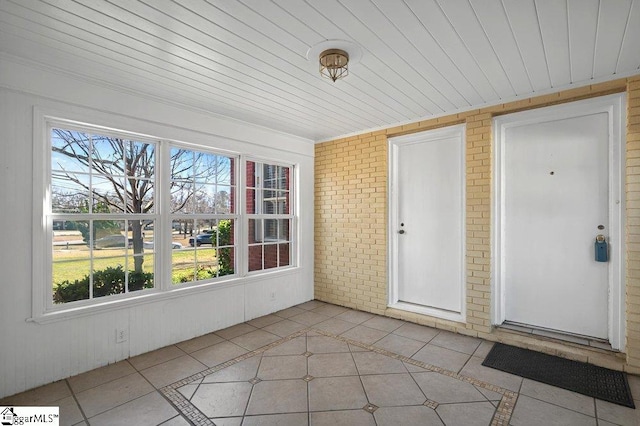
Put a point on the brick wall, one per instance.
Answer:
(351, 218)
(633, 222)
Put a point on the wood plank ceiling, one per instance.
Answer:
(246, 59)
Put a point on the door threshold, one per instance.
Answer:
(578, 339)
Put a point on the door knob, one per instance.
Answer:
(401, 231)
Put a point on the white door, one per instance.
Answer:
(427, 216)
(555, 186)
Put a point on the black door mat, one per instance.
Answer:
(587, 379)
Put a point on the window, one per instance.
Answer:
(102, 201)
(269, 215)
(117, 225)
(202, 207)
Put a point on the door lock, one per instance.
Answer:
(401, 231)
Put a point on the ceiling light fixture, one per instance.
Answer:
(334, 64)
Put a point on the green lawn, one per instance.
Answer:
(74, 264)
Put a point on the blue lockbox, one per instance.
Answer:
(602, 249)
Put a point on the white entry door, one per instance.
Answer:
(558, 192)
(427, 222)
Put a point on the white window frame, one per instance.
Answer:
(42, 308)
(260, 215)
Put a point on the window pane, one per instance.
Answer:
(183, 265)
(284, 259)
(223, 199)
(255, 258)
(140, 159)
(182, 197)
(205, 198)
(251, 201)
(270, 256)
(255, 231)
(107, 195)
(108, 276)
(140, 272)
(251, 174)
(107, 155)
(68, 194)
(69, 151)
(283, 229)
(108, 234)
(71, 261)
(181, 165)
(206, 263)
(226, 259)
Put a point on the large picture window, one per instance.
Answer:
(128, 214)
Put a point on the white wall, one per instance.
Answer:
(32, 354)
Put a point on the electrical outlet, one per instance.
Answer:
(121, 335)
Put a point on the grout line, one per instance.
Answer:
(73, 395)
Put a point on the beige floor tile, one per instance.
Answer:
(289, 312)
(111, 394)
(383, 323)
(290, 419)
(70, 413)
(356, 317)
(171, 371)
(557, 396)
(239, 372)
(330, 310)
(408, 416)
(532, 412)
(364, 334)
(456, 342)
(278, 397)
(255, 339)
(284, 328)
(618, 414)
(375, 363)
(332, 364)
(483, 349)
(441, 357)
(343, 417)
(417, 332)
(218, 353)
(152, 358)
(474, 368)
(469, 414)
(445, 390)
(176, 421)
(336, 393)
(188, 390)
(198, 343)
(151, 409)
(228, 421)
(282, 367)
(399, 345)
(335, 326)
(309, 318)
(310, 305)
(391, 390)
(42, 395)
(294, 346)
(222, 399)
(100, 375)
(235, 331)
(324, 344)
(264, 321)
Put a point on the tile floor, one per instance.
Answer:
(317, 364)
